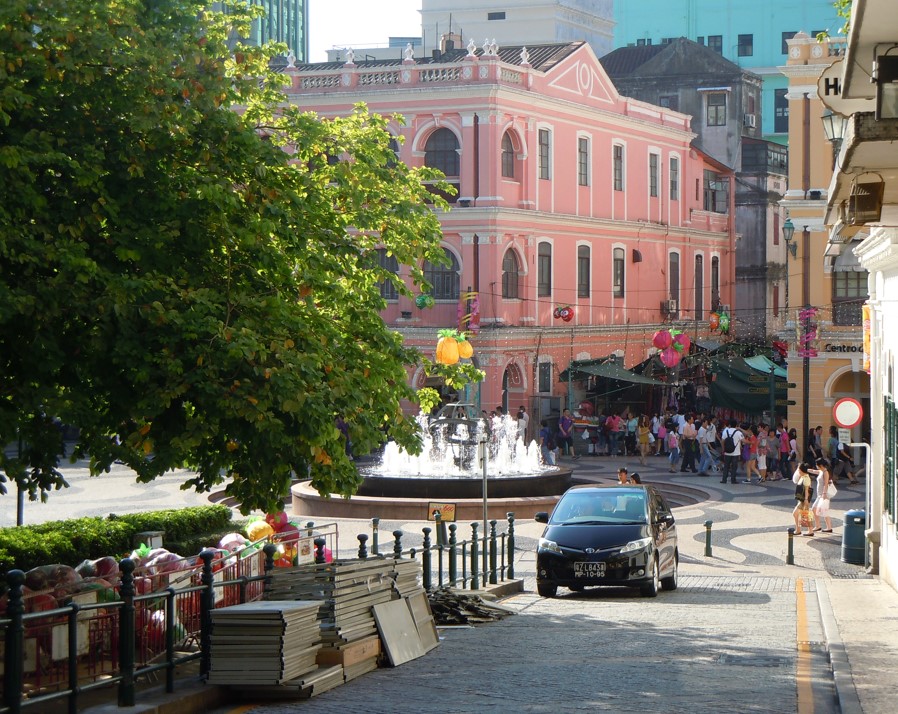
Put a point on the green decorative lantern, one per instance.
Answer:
(424, 300)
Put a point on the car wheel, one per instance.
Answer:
(575, 588)
(650, 589)
(670, 582)
(546, 589)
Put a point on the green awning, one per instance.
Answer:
(763, 364)
(610, 370)
(578, 367)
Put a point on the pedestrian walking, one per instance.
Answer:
(673, 449)
(566, 433)
(615, 431)
(750, 454)
(813, 448)
(707, 438)
(821, 503)
(804, 492)
(547, 443)
(688, 445)
(643, 432)
(523, 423)
(732, 451)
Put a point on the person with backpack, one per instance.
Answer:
(732, 451)
(546, 443)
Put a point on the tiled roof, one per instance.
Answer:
(542, 57)
(624, 60)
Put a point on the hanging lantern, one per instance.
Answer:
(724, 323)
(465, 348)
(447, 347)
(567, 314)
(662, 339)
(682, 342)
(715, 321)
(556, 313)
(670, 357)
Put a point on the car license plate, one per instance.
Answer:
(589, 570)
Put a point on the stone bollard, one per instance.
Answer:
(426, 560)
(790, 544)
(708, 525)
(363, 548)
(475, 578)
(510, 516)
(397, 544)
(453, 554)
(375, 523)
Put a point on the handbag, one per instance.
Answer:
(831, 490)
(799, 493)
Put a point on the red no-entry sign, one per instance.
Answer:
(848, 413)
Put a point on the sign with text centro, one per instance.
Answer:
(848, 413)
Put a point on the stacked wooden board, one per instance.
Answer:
(264, 643)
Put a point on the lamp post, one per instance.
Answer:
(834, 129)
(788, 233)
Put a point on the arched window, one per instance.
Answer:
(511, 274)
(507, 156)
(389, 263)
(583, 271)
(443, 278)
(544, 270)
(394, 147)
(441, 152)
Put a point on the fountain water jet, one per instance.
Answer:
(448, 468)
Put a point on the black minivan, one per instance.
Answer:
(608, 535)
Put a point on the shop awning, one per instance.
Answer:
(578, 366)
(763, 364)
(610, 370)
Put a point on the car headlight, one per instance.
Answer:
(549, 545)
(635, 545)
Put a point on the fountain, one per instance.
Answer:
(403, 485)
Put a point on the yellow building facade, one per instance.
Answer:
(826, 285)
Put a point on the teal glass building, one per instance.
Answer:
(750, 33)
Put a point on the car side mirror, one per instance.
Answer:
(541, 517)
(667, 519)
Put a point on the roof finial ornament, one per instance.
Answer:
(494, 48)
(350, 55)
(472, 47)
(525, 56)
(409, 52)
(291, 59)
(486, 46)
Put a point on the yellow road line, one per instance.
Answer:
(803, 668)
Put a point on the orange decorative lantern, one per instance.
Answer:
(715, 321)
(465, 348)
(447, 347)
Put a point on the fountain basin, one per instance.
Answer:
(395, 498)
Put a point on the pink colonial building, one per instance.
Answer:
(569, 195)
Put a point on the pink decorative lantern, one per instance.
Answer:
(662, 339)
(683, 341)
(670, 357)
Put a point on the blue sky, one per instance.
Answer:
(360, 23)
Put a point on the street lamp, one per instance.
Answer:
(788, 233)
(834, 128)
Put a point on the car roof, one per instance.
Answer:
(599, 488)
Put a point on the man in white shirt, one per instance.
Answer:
(731, 456)
(707, 435)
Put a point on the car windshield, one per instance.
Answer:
(599, 509)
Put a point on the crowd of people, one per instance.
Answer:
(701, 444)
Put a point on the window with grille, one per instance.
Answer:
(583, 270)
(441, 152)
(583, 161)
(617, 273)
(544, 270)
(715, 283)
(716, 109)
(745, 46)
(617, 153)
(388, 263)
(715, 42)
(716, 192)
(674, 178)
(669, 101)
(443, 278)
(511, 275)
(653, 175)
(849, 296)
(507, 157)
(544, 153)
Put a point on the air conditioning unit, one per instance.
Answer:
(749, 120)
(668, 307)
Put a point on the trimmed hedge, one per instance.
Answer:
(69, 542)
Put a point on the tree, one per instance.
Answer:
(188, 267)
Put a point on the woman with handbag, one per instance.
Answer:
(804, 492)
(825, 491)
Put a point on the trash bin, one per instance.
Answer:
(853, 539)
